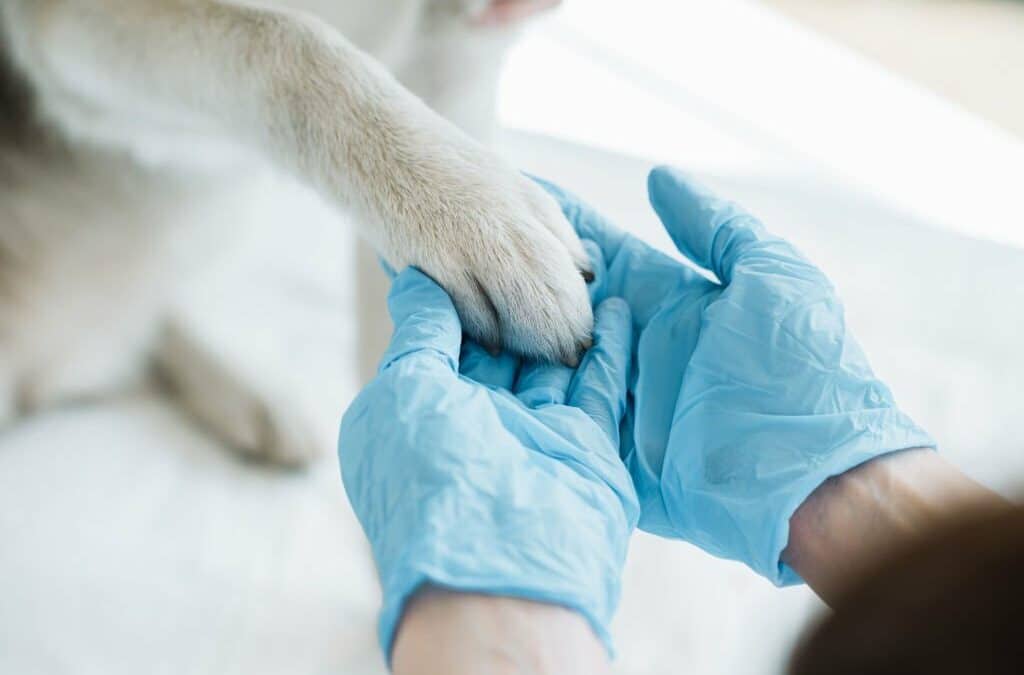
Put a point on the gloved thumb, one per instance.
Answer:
(697, 220)
(425, 321)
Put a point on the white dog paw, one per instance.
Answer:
(264, 430)
(234, 402)
(501, 247)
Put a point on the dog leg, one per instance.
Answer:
(288, 85)
(455, 67)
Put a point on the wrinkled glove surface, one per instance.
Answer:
(747, 394)
(503, 478)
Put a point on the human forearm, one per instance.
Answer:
(852, 519)
(460, 633)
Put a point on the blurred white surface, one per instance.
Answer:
(130, 543)
(734, 86)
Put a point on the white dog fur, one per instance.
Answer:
(133, 129)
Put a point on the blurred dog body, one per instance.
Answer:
(133, 134)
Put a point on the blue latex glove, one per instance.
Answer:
(510, 486)
(746, 395)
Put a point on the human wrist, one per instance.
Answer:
(456, 633)
(860, 515)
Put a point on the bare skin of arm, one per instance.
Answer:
(468, 634)
(848, 522)
(855, 518)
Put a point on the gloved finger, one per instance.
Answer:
(542, 384)
(714, 233)
(481, 366)
(424, 318)
(598, 285)
(589, 224)
(600, 384)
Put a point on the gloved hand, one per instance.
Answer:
(510, 487)
(746, 395)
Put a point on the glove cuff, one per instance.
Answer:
(726, 519)
(582, 572)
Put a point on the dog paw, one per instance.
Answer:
(500, 246)
(234, 402)
(265, 430)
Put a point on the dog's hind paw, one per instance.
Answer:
(235, 403)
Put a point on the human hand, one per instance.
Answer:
(500, 12)
(513, 487)
(746, 394)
